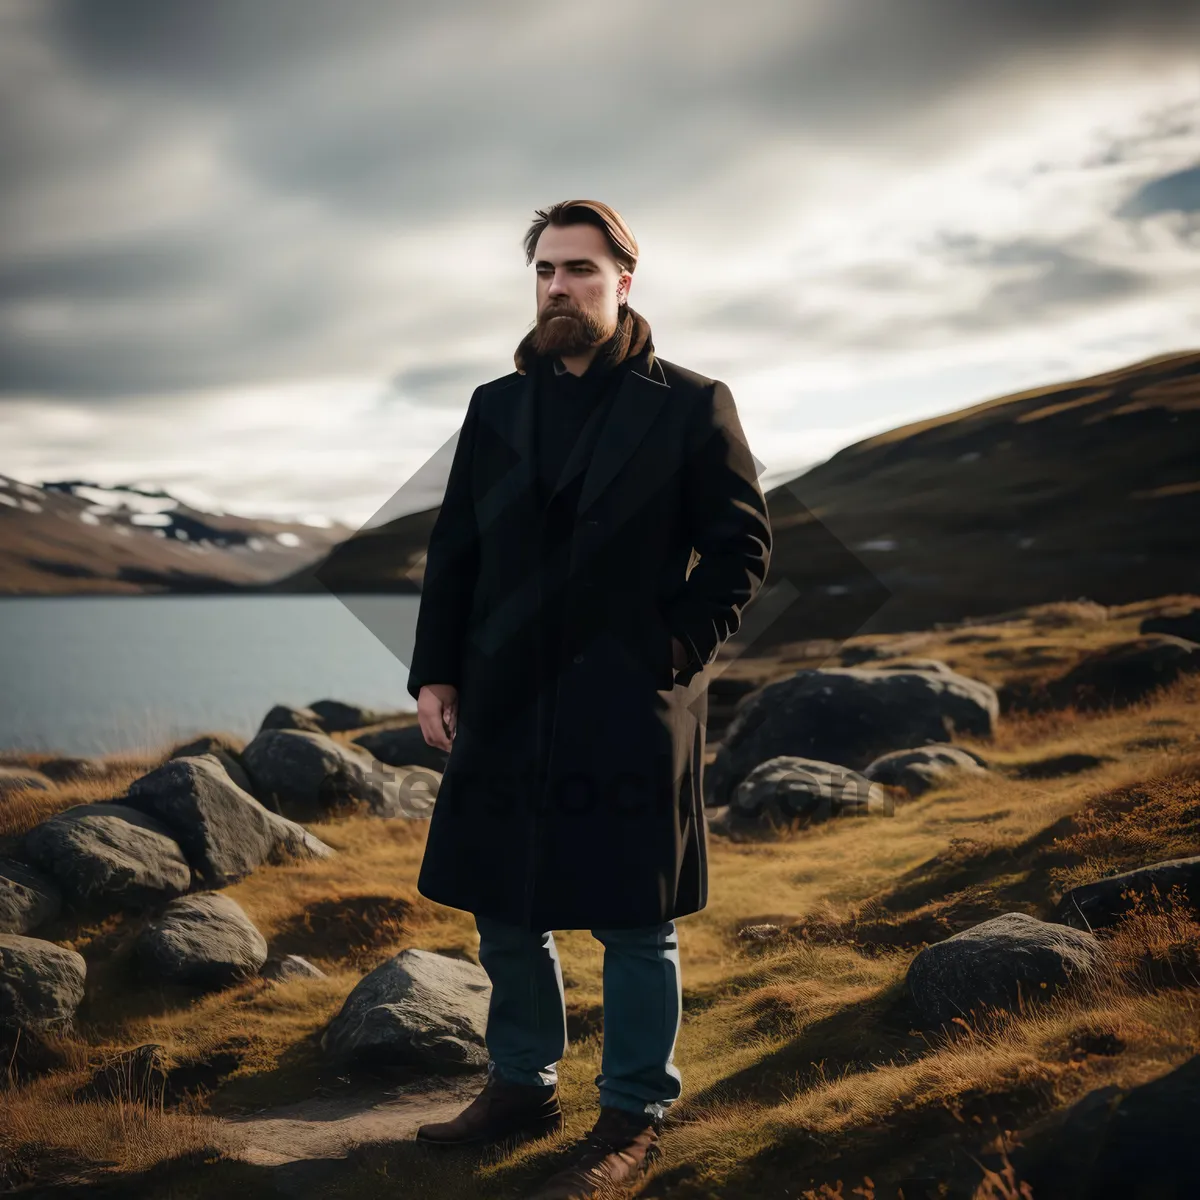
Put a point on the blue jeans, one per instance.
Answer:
(643, 1005)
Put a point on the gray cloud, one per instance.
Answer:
(341, 104)
(1058, 283)
(169, 313)
(374, 117)
(779, 311)
(438, 384)
(1025, 280)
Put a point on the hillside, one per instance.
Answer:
(73, 537)
(1087, 488)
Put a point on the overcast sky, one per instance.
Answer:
(261, 253)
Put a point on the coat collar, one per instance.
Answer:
(622, 424)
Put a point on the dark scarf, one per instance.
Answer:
(632, 338)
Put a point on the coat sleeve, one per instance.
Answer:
(451, 569)
(730, 529)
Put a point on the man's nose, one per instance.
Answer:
(558, 285)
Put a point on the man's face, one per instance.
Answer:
(577, 290)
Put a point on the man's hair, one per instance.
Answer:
(621, 242)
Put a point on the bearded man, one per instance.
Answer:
(601, 534)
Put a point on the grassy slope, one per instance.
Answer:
(800, 1059)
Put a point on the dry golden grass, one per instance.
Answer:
(44, 1132)
(22, 810)
(802, 1066)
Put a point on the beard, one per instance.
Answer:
(564, 329)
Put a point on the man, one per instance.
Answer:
(601, 533)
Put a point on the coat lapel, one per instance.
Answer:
(624, 423)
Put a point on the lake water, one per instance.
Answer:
(97, 674)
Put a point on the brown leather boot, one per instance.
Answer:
(620, 1147)
(501, 1110)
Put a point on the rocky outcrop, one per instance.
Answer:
(848, 716)
(228, 757)
(290, 966)
(41, 983)
(336, 716)
(1178, 622)
(205, 939)
(27, 897)
(403, 747)
(1104, 901)
(1124, 672)
(307, 775)
(1120, 1142)
(788, 791)
(418, 1008)
(224, 831)
(282, 716)
(109, 853)
(1009, 960)
(210, 743)
(919, 768)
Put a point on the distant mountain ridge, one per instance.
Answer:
(79, 537)
(1089, 487)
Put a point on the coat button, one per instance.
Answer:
(578, 658)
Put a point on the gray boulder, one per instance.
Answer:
(282, 716)
(205, 939)
(1002, 962)
(229, 759)
(225, 748)
(224, 831)
(290, 966)
(788, 791)
(27, 897)
(403, 747)
(849, 716)
(308, 774)
(110, 854)
(919, 768)
(41, 983)
(1104, 901)
(209, 743)
(1120, 1140)
(19, 779)
(419, 1009)
(338, 717)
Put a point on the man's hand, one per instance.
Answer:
(437, 713)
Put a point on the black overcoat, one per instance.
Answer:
(573, 793)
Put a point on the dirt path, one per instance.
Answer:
(327, 1127)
